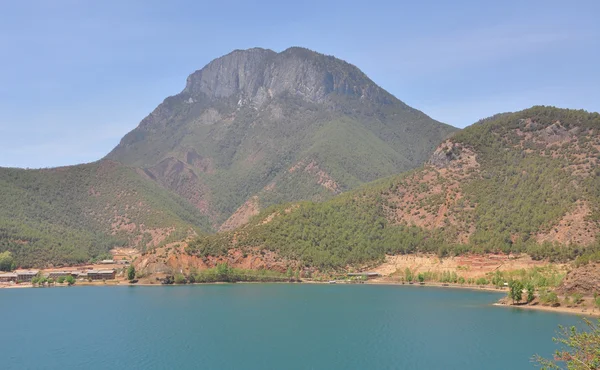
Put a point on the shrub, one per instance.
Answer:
(577, 298)
(70, 280)
(481, 281)
(549, 298)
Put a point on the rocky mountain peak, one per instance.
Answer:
(260, 74)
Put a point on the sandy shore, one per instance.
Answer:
(441, 285)
(581, 311)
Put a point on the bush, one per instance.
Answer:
(481, 281)
(70, 280)
(180, 279)
(60, 280)
(549, 298)
(577, 298)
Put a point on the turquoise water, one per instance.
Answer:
(268, 326)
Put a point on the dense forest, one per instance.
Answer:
(75, 214)
(533, 169)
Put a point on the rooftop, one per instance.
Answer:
(28, 272)
(110, 271)
(363, 274)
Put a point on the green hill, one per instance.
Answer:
(70, 215)
(519, 182)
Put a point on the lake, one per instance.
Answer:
(269, 326)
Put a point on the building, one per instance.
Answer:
(26, 276)
(8, 277)
(101, 274)
(107, 262)
(56, 274)
(368, 275)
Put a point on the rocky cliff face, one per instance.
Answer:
(584, 280)
(251, 116)
(257, 75)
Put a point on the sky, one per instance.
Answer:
(76, 76)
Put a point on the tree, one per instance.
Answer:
(289, 273)
(408, 275)
(498, 279)
(7, 262)
(421, 278)
(60, 280)
(180, 279)
(70, 279)
(130, 273)
(581, 348)
(516, 291)
(481, 281)
(222, 272)
(530, 292)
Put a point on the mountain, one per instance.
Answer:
(69, 215)
(251, 129)
(516, 182)
(256, 128)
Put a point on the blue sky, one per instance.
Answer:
(76, 76)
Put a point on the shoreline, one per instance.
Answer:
(580, 311)
(442, 285)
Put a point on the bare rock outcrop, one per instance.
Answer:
(584, 280)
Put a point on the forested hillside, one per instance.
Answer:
(520, 182)
(70, 215)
